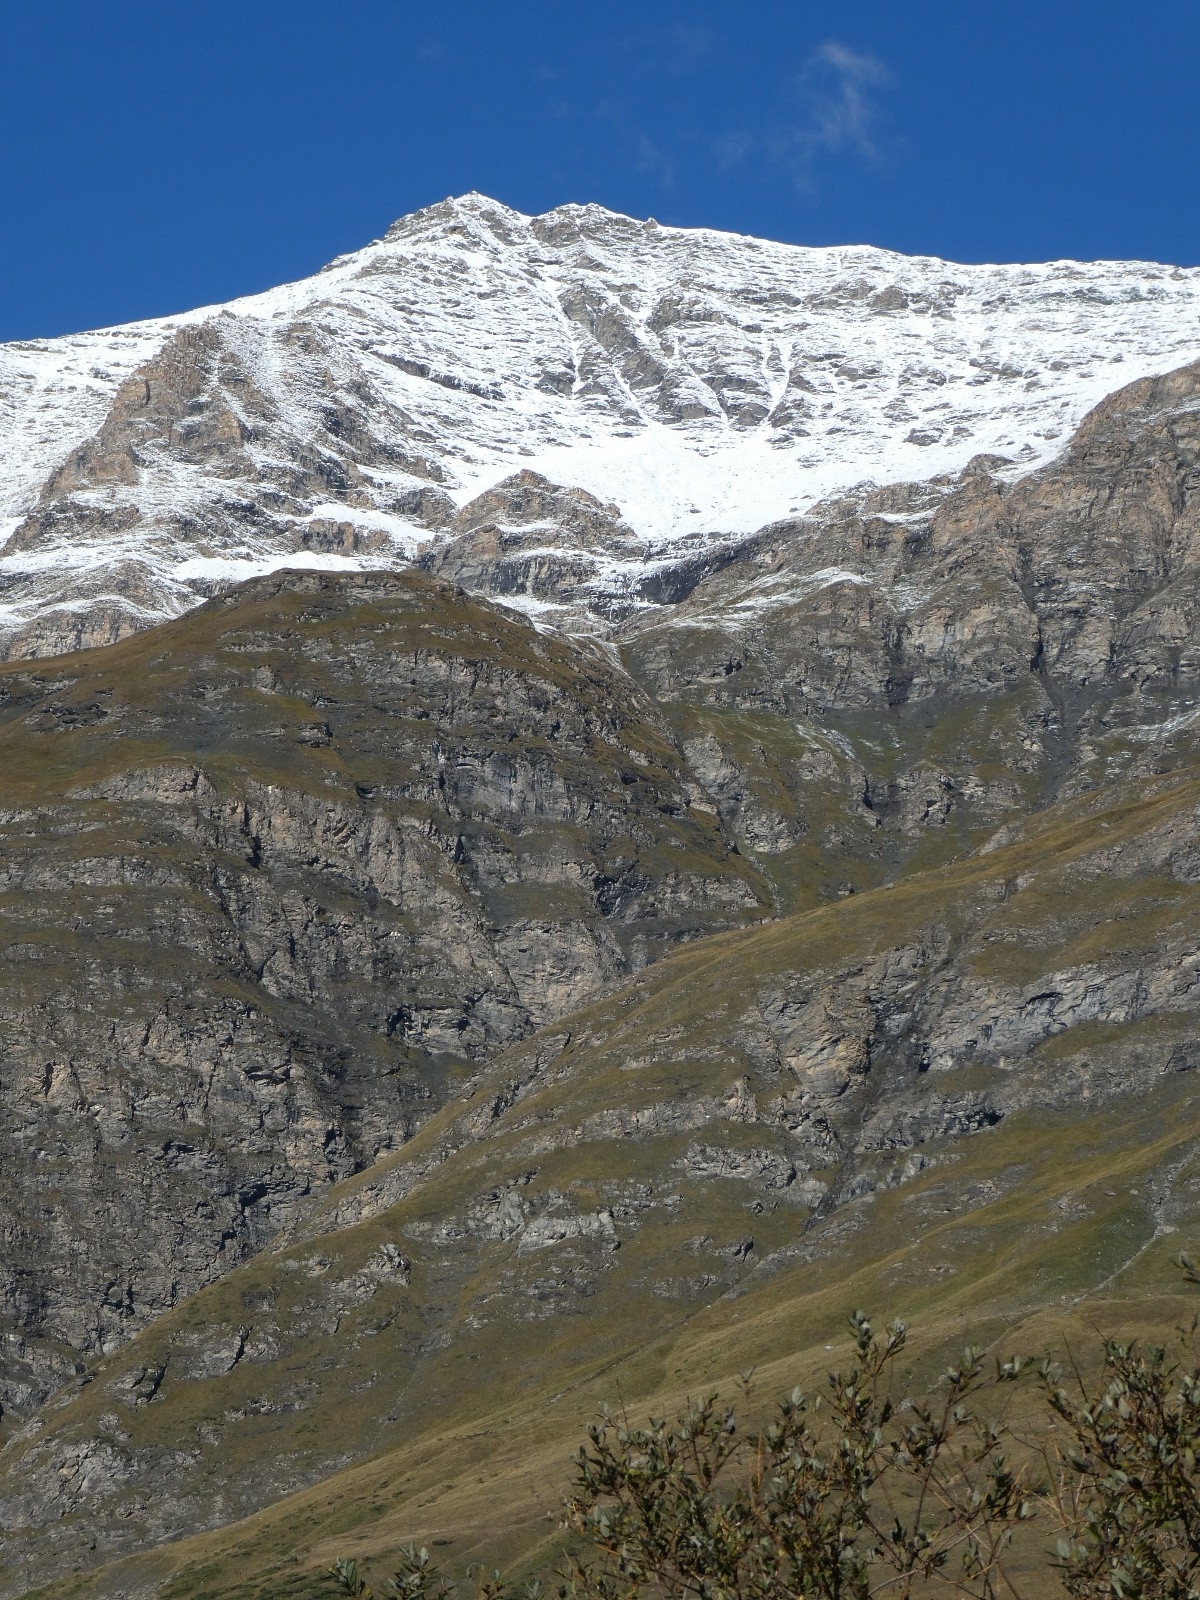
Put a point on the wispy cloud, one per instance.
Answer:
(836, 92)
(731, 148)
(686, 49)
(657, 159)
(837, 83)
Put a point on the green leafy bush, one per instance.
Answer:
(837, 1498)
(1125, 1487)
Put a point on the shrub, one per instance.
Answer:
(837, 1498)
(1123, 1469)
(855, 1493)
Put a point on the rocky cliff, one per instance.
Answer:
(271, 879)
(895, 676)
(970, 1096)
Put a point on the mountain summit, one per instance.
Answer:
(697, 384)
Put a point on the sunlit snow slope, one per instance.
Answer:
(706, 383)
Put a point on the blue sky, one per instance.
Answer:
(156, 155)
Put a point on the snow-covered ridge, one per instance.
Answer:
(705, 383)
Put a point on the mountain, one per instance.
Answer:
(968, 1100)
(703, 384)
(630, 789)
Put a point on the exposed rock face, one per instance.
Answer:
(934, 659)
(269, 880)
(531, 539)
(331, 914)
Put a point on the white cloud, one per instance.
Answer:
(837, 83)
(836, 87)
(652, 158)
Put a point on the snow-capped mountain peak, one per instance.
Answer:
(699, 384)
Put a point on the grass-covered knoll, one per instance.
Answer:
(702, 1172)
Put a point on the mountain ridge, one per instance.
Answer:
(737, 1143)
(708, 383)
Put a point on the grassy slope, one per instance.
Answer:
(468, 1387)
(238, 827)
(1073, 1252)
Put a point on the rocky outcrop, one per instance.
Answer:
(338, 1054)
(920, 663)
(272, 880)
(741, 1111)
(530, 540)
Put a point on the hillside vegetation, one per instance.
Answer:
(272, 879)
